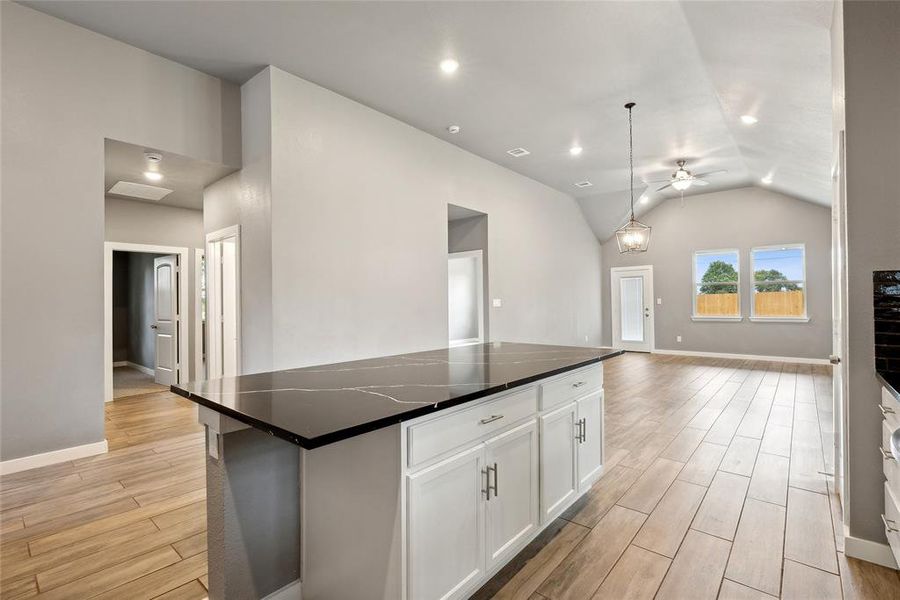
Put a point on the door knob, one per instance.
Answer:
(153, 327)
(834, 359)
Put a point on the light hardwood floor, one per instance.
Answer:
(713, 488)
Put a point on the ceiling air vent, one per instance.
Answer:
(583, 184)
(517, 152)
(139, 190)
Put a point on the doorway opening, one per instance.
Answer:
(222, 302)
(632, 308)
(467, 276)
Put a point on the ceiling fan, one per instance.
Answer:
(682, 179)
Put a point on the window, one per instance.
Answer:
(717, 285)
(779, 282)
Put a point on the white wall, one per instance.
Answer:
(740, 219)
(64, 91)
(359, 235)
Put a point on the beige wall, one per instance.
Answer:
(64, 91)
(740, 219)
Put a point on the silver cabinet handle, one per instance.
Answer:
(885, 410)
(583, 430)
(885, 454)
(491, 419)
(496, 481)
(578, 431)
(487, 476)
(888, 524)
(578, 384)
(487, 473)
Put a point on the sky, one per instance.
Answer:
(789, 261)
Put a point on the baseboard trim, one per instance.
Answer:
(120, 363)
(141, 368)
(873, 552)
(785, 359)
(289, 592)
(51, 458)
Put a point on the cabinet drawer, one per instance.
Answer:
(892, 522)
(890, 408)
(571, 386)
(891, 468)
(441, 434)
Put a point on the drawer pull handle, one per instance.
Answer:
(491, 419)
(888, 524)
(578, 384)
(487, 474)
(885, 454)
(885, 410)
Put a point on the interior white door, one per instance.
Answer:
(631, 305)
(590, 442)
(223, 305)
(559, 480)
(511, 466)
(167, 325)
(465, 297)
(446, 526)
(839, 290)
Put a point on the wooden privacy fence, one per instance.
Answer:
(765, 304)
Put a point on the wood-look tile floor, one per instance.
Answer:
(713, 488)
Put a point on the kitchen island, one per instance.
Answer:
(414, 476)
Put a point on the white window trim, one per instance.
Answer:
(804, 318)
(723, 318)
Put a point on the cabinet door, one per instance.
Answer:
(559, 482)
(590, 447)
(512, 506)
(446, 526)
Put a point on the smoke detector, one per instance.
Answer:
(453, 129)
(153, 157)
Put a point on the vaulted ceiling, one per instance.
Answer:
(543, 76)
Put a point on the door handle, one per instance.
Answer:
(885, 410)
(888, 524)
(583, 430)
(487, 474)
(834, 359)
(885, 454)
(154, 327)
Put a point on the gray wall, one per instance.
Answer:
(358, 244)
(160, 225)
(741, 219)
(472, 234)
(867, 35)
(64, 91)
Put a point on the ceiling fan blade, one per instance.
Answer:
(708, 173)
(696, 181)
(664, 187)
(667, 180)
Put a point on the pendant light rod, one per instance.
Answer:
(630, 106)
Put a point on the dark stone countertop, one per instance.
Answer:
(315, 406)
(890, 381)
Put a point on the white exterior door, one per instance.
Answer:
(559, 482)
(166, 326)
(446, 526)
(590, 443)
(511, 466)
(632, 308)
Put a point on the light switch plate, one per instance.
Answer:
(497, 302)
(659, 300)
(678, 338)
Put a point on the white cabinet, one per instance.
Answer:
(446, 526)
(511, 469)
(590, 439)
(559, 481)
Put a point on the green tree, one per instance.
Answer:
(778, 279)
(719, 272)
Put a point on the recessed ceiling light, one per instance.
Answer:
(766, 180)
(575, 150)
(153, 175)
(517, 152)
(583, 184)
(749, 120)
(448, 65)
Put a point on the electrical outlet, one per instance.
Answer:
(659, 300)
(496, 302)
(678, 338)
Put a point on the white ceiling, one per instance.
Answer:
(186, 177)
(543, 76)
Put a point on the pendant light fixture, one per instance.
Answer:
(634, 236)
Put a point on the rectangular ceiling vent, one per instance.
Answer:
(517, 152)
(583, 184)
(139, 190)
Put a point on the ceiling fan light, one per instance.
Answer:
(681, 184)
(633, 237)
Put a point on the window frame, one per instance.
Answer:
(804, 318)
(728, 318)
